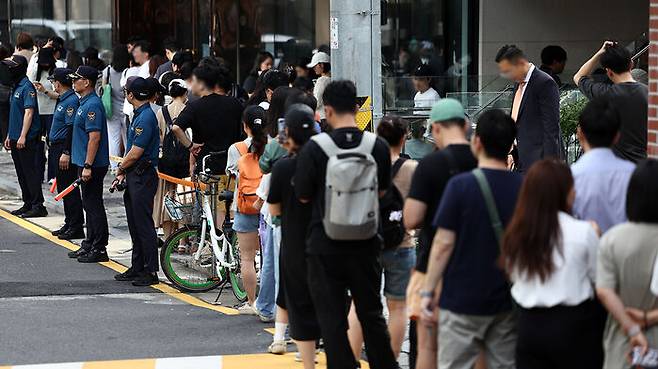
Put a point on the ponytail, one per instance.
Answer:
(258, 137)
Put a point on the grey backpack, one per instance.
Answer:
(351, 199)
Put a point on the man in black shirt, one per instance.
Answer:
(629, 97)
(215, 118)
(338, 266)
(432, 173)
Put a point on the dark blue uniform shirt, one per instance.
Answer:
(24, 97)
(63, 117)
(90, 117)
(144, 133)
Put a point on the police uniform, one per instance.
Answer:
(90, 117)
(60, 142)
(141, 185)
(25, 97)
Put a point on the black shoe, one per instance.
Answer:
(20, 211)
(94, 256)
(128, 275)
(71, 234)
(146, 279)
(60, 231)
(77, 253)
(36, 212)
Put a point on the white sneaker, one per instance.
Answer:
(246, 309)
(278, 348)
(298, 357)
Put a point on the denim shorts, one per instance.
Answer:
(246, 223)
(397, 264)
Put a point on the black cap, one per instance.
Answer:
(86, 72)
(61, 75)
(155, 85)
(140, 88)
(15, 61)
(254, 114)
(424, 70)
(300, 115)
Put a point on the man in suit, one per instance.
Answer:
(535, 108)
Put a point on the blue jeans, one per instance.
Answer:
(268, 274)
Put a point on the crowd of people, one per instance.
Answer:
(498, 253)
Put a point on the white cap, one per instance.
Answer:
(318, 58)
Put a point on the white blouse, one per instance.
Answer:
(575, 270)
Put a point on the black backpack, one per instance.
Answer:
(390, 208)
(175, 157)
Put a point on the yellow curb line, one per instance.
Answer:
(162, 287)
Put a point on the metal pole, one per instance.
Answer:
(356, 47)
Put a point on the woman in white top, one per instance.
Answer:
(551, 258)
(321, 64)
(47, 99)
(117, 121)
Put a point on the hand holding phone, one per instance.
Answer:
(281, 125)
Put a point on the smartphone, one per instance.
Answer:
(281, 124)
(648, 361)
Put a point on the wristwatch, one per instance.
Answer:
(87, 166)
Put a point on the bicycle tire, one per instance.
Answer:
(234, 275)
(177, 281)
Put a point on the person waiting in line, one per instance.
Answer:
(264, 61)
(141, 179)
(399, 260)
(601, 178)
(91, 59)
(417, 146)
(117, 123)
(170, 49)
(23, 134)
(551, 258)
(142, 53)
(295, 216)
(321, 65)
(553, 61)
(625, 266)
(453, 156)
(336, 263)
(629, 97)
(426, 96)
(242, 163)
(59, 152)
(45, 64)
(90, 154)
(475, 301)
(305, 84)
(535, 109)
(302, 70)
(24, 45)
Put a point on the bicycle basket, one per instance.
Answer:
(182, 208)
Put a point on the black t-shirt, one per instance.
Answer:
(310, 184)
(427, 185)
(295, 215)
(631, 101)
(215, 121)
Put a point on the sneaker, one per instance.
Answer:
(246, 309)
(298, 357)
(146, 279)
(60, 231)
(36, 212)
(128, 275)
(72, 234)
(77, 253)
(20, 211)
(264, 318)
(278, 348)
(94, 256)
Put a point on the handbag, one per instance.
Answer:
(106, 97)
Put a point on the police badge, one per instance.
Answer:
(138, 131)
(91, 115)
(69, 111)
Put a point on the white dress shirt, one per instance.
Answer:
(575, 270)
(526, 80)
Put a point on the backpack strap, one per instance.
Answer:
(242, 147)
(496, 224)
(326, 144)
(167, 116)
(330, 148)
(395, 168)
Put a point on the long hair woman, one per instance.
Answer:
(551, 258)
(264, 61)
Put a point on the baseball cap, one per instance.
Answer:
(300, 115)
(447, 109)
(318, 58)
(254, 114)
(141, 88)
(86, 72)
(155, 85)
(61, 75)
(15, 61)
(423, 70)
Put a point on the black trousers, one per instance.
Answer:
(329, 277)
(4, 120)
(73, 216)
(92, 203)
(138, 200)
(561, 337)
(28, 176)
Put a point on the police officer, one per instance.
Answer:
(60, 136)
(89, 152)
(138, 171)
(22, 138)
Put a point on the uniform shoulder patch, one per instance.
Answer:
(70, 110)
(91, 115)
(138, 131)
(32, 94)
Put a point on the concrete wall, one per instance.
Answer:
(579, 26)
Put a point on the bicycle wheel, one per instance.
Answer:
(180, 267)
(236, 278)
